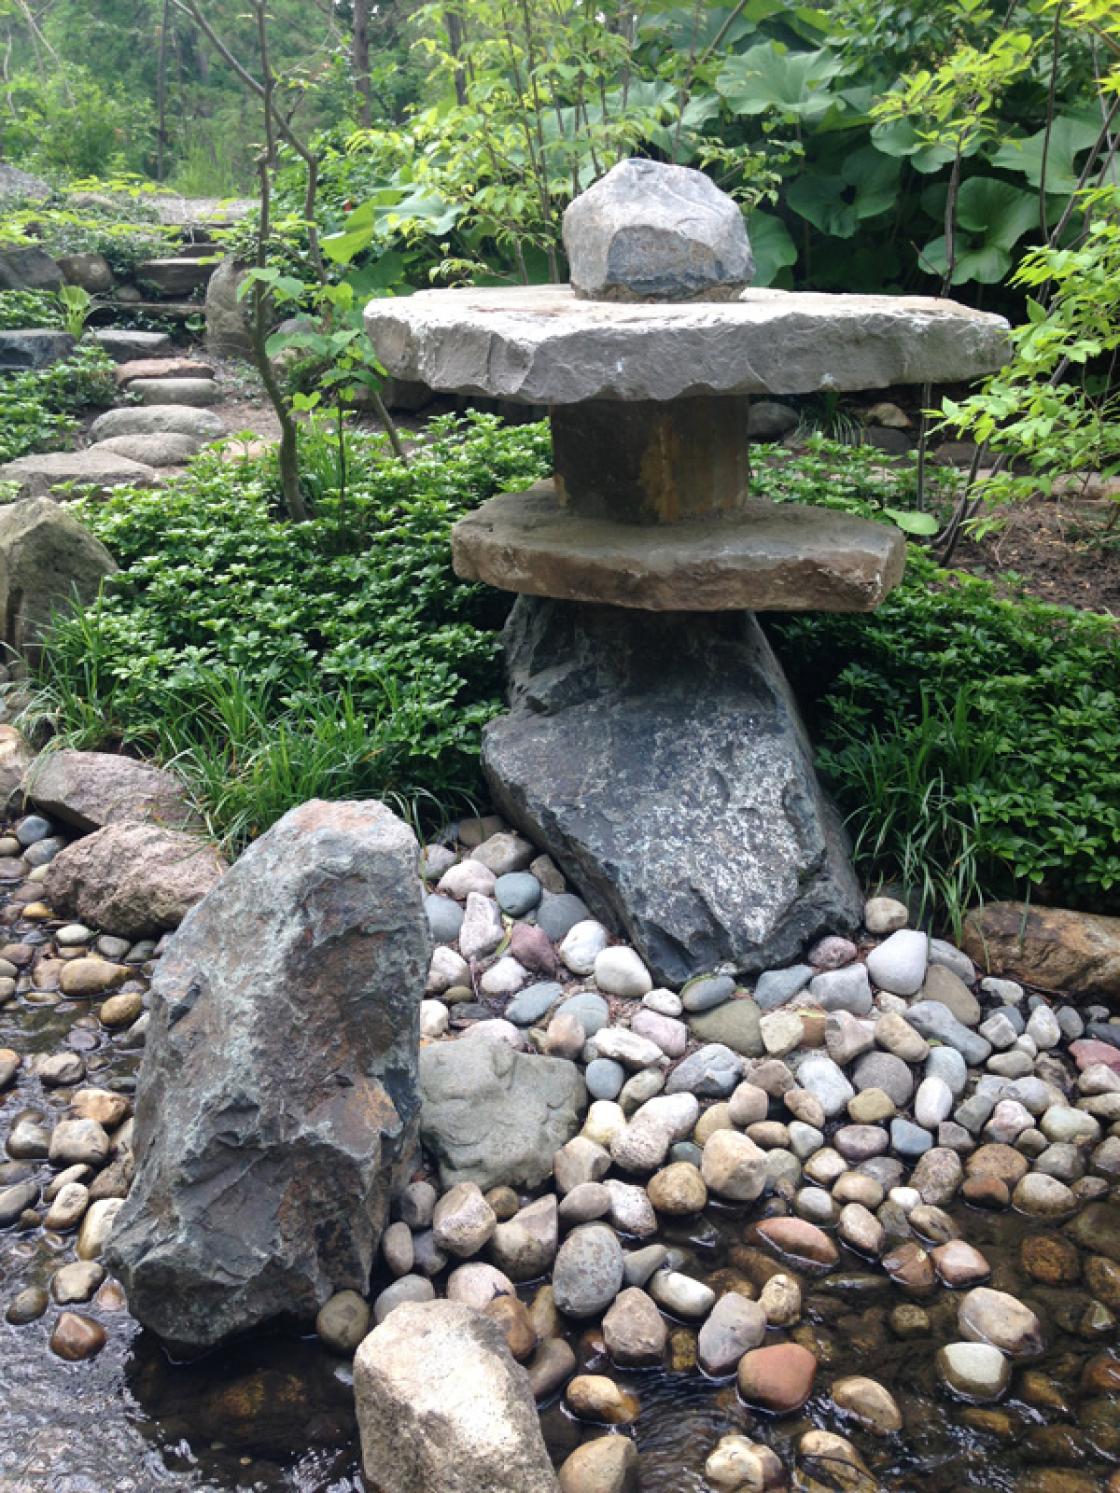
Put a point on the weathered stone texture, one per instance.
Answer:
(541, 345)
(133, 880)
(494, 1116)
(766, 557)
(91, 472)
(1072, 952)
(639, 744)
(89, 790)
(48, 562)
(651, 231)
(277, 1096)
(442, 1406)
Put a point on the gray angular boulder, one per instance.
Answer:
(89, 790)
(227, 317)
(494, 1116)
(277, 1098)
(133, 880)
(648, 231)
(443, 1408)
(32, 348)
(16, 184)
(29, 269)
(48, 563)
(661, 761)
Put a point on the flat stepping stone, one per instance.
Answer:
(174, 277)
(124, 346)
(765, 557)
(44, 475)
(162, 448)
(196, 392)
(182, 419)
(199, 212)
(539, 344)
(162, 368)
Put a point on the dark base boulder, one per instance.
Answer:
(277, 1097)
(661, 760)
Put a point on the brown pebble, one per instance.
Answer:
(1050, 1259)
(121, 1010)
(777, 1378)
(986, 1192)
(595, 1397)
(512, 1316)
(76, 1337)
(503, 1201)
(1101, 1375)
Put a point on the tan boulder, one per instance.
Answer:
(1076, 953)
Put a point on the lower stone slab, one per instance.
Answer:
(764, 557)
(662, 762)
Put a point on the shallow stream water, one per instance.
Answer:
(276, 1413)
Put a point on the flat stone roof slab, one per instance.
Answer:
(541, 345)
(766, 557)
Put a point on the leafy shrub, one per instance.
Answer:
(276, 660)
(69, 122)
(37, 408)
(973, 742)
(29, 308)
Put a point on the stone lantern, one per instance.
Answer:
(652, 743)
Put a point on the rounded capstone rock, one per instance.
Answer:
(648, 231)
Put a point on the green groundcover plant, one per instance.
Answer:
(277, 661)
(971, 740)
(37, 408)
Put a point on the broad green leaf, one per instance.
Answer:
(899, 138)
(875, 178)
(772, 246)
(985, 263)
(1071, 134)
(912, 522)
(821, 200)
(769, 76)
(1002, 213)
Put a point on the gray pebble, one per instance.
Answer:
(445, 917)
(711, 1073)
(44, 851)
(846, 989)
(604, 1078)
(776, 986)
(1070, 1022)
(34, 827)
(531, 1004)
(517, 893)
(588, 1008)
(559, 914)
(909, 1139)
(706, 992)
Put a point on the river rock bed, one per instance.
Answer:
(859, 1218)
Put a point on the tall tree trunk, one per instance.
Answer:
(455, 44)
(359, 61)
(161, 91)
